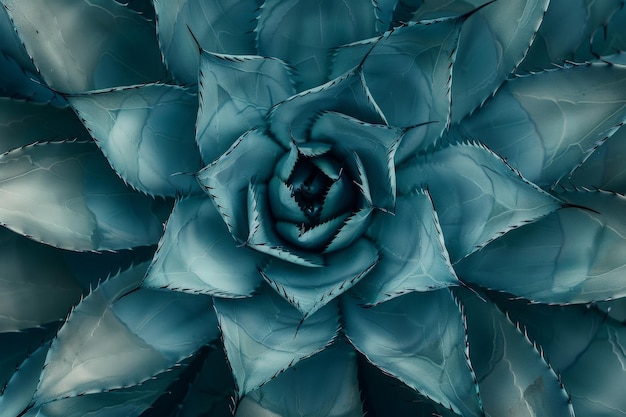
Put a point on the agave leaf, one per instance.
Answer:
(295, 282)
(252, 157)
(413, 256)
(586, 349)
(24, 122)
(65, 195)
(374, 144)
(384, 10)
(33, 293)
(314, 238)
(116, 339)
(236, 93)
(609, 35)
(305, 43)
(19, 391)
(87, 45)
(428, 357)
(147, 134)
(196, 254)
(514, 378)
(351, 230)
(408, 72)
(615, 309)
(264, 335)
(220, 26)
(604, 169)
(567, 31)
(575, 255)
(546, 124)
(292, 119)
(323, 385)
(477, 196)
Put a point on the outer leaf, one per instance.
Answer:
(147, 134)
(413, 256)
(65, 195)
(196, 254)
(331, 375)
(408, 72)
(309, 289)
(32, 293)
(477, 196)
(575, 255)
(87, 45)
(236, 93)
(25, 122)
(264, 335)
(110, 342)
(219, 26)
(304, 43)
(546, 124)
(405, 338)
(514, 378)
(384, 13)
(252, 156)
(374, 144)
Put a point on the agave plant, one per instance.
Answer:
(312, 208)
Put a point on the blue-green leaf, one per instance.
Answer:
(514, 378)
(408, 72)
(19, 391)
(413, 256)
(147, 134)
(405, 338)
(196, 254)
(36, 286)
(302, 32)
(546, 124)
(252, 157)
(292, 119)
(119, 338)
(323, 385)
(236, 92)
(575, 255)
(477, 196)
(384, 14)
(309, 288)
(264, 335)
(81, 45)
(605, 168)
(374, 144)
(220, 26)
(25, 122)
(64, 194)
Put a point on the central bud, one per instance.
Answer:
(309, 187)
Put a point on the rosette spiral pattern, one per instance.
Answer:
(312, 208)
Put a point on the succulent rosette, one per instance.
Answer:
(312, 208)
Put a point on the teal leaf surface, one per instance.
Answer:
(432, 354)
(575, 255)
(413, 256)
(408, 72)
(236, 92)
(384, 10)
(252, 157)
(196, 254)
(118, 338)
(219, 26)
(477, 196)
(147, 134)
(331, 375)
(65, 195)
(514, 378)
(24, 122)
(546, 124)
(305, 43)
(33, 293)
(309, 288)
(374, 144)
(291, 120)
(87, 45)
(264, 335)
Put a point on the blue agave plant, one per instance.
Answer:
(312, 208)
